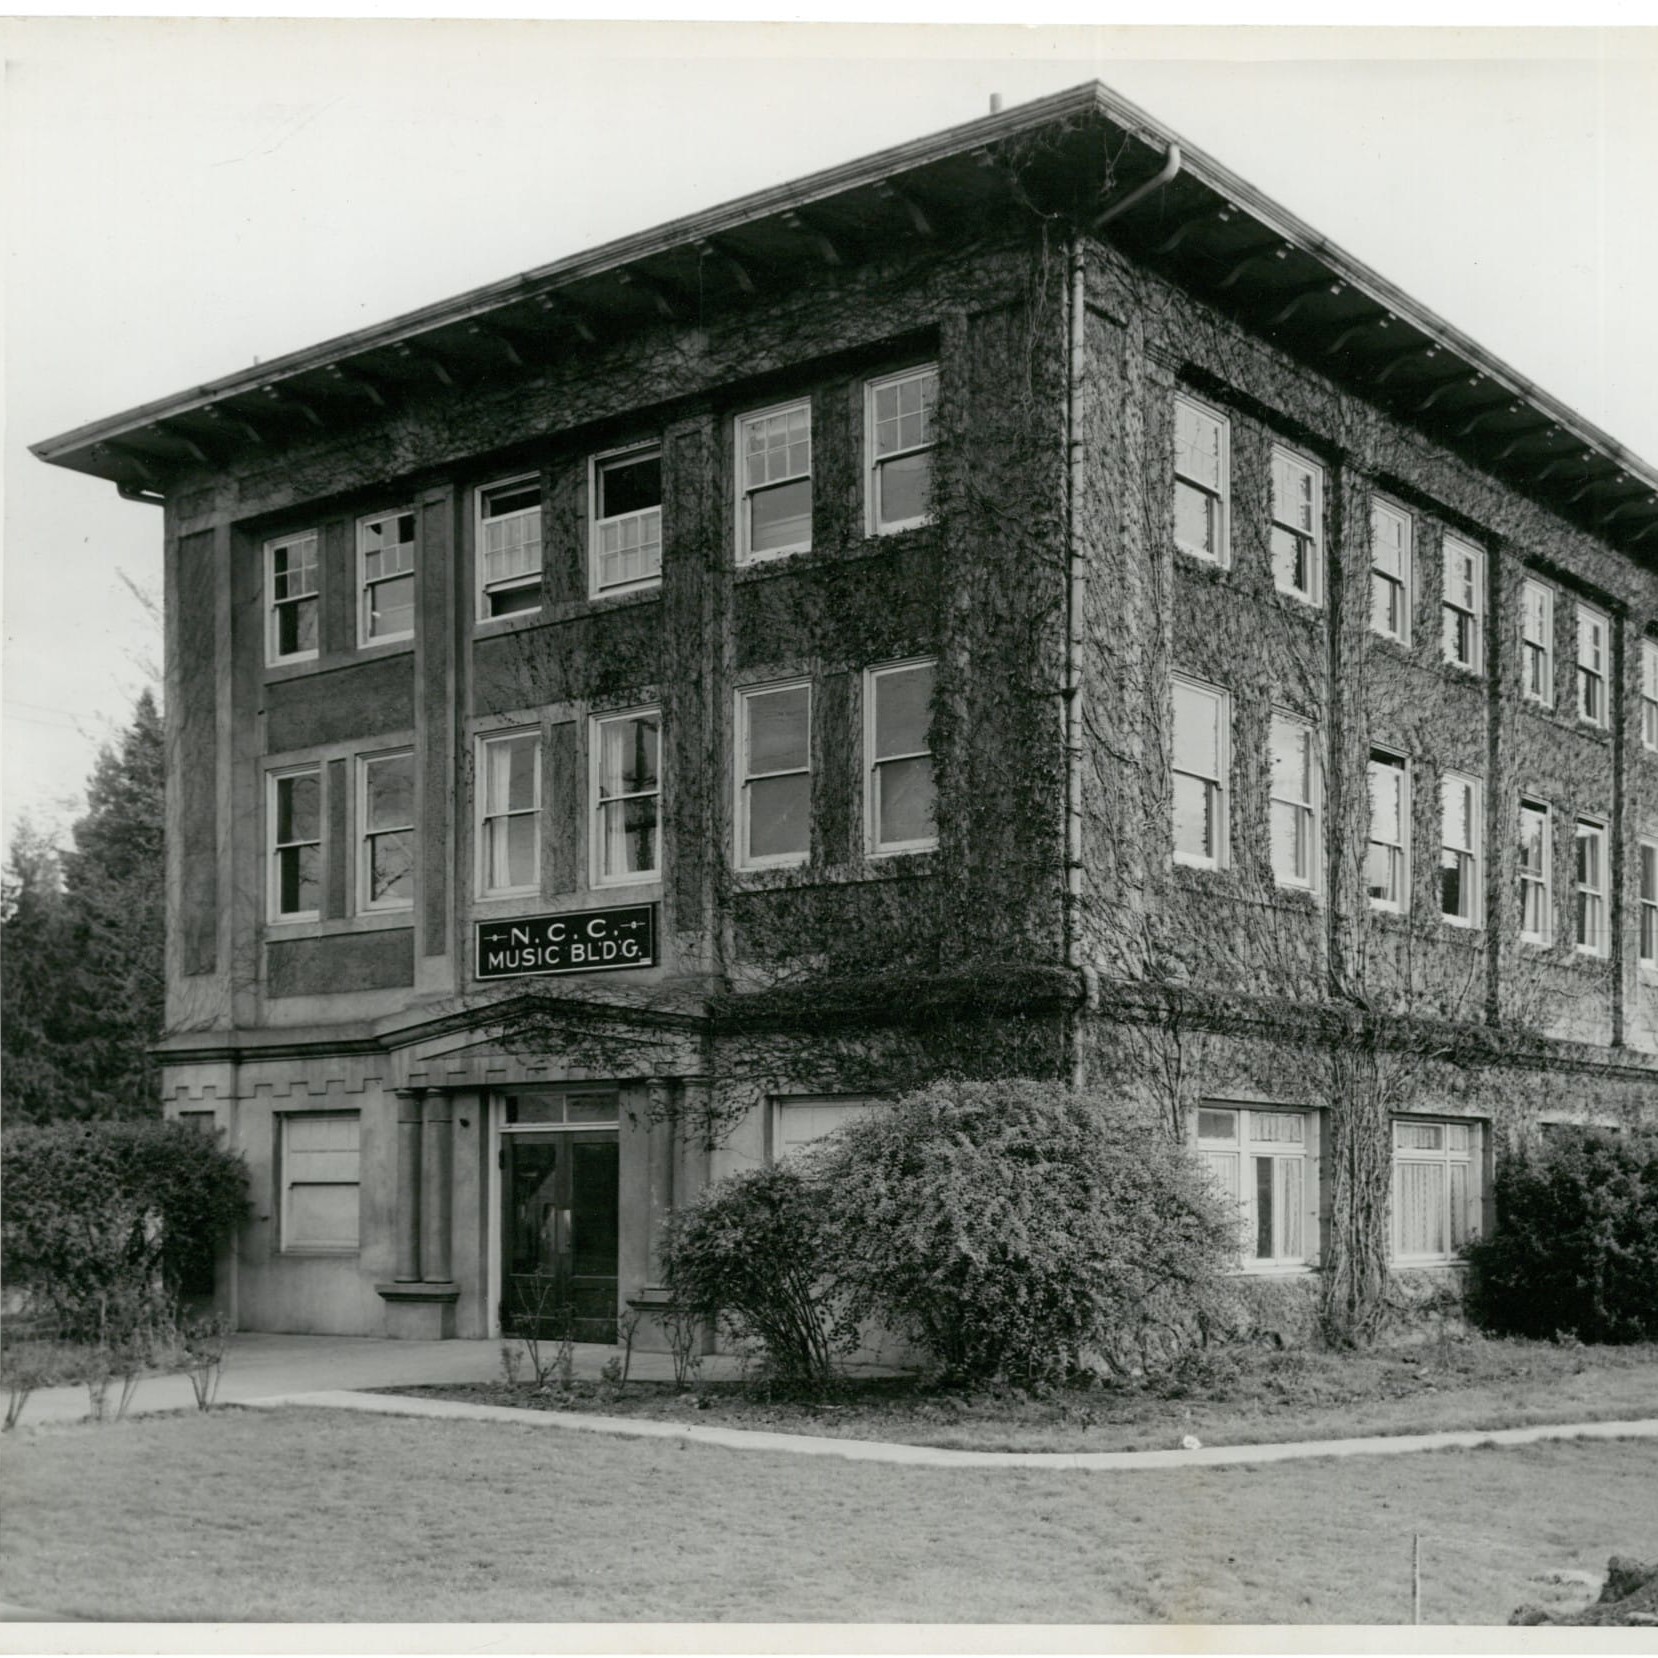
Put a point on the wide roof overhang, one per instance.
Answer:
(1076, 153)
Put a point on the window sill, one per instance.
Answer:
(1274, 1269)
(301, 1252)
(379, 921)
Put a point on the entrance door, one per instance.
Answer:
(559, 1234)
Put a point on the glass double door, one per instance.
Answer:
(559, 1234)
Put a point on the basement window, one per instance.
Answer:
(509, 548)
(385, 569)
(774, 482)
(320, 1156)
(1297, 525)
(627, 521)
(1464, 603)
(1537, 643)
(1436, 1188)
(1390, 571)
(774, 786)
(1201, 480)
(1593, 632)
(291, 581)
(900, 411)
(1266, 1164)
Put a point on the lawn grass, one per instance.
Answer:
(311, 1515)
(1230, 1396)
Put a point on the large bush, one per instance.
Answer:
(755, 1250)
(1019, 1229)
(1575, 1247)
(103, 1218)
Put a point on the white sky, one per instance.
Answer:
(186, 195)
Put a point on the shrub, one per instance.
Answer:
(105, 1222)
(1017, 1228)
(1575, 1247)
(755, 1249)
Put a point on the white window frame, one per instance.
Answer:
(596, 467)
(1649, 694)
(292, 1160)
(1592, 906)
(745, 494)
(873, 522)
(1594, 655)
(1472, 856)
(1446, 1156)
(597, 803)
(873, 762)
(274, 655)
(1646, 903)
(482, 817)
(529, 578)
(1467, 604)
(1542, 879)
(365, 587)
(367, 836)
(1288, 460)
(1222, 793)
(1309, 811)
(1257, 1133)
(1401, 847)
(784, 860)
(1221, 556)
(274, 914)
(1404, 580)
(1537, 646)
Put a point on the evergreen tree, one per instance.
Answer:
(34, 957)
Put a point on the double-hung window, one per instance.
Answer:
(1297, 525)
(1464, 606)
(901, 410)
(1593, 634)
(627, 788)
(1387, 855)
(1266, 1163)
(1200, 761)
(1537, 642)
(902, 794)
(291, 581)
(1647, 900)
(774, 786)
(509, 548)
(295, 818)
(1436, 1188)
(1593, 929)
(1295, 802)
(385, 574)
(320, 1159)
(509, 815)
(774, 482)
(1460, 840)
(1201, 480)
(1649, 693)
(1390, 570)
(1534, 865)
(385, 804)
(627, 521)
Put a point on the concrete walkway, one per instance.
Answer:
(933, 1456)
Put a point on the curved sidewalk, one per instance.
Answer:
(933, 1456)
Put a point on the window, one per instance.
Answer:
(296, 844)
(385, 874)
(901, 412)
(1460, 840)
(1537, 642)
(1534, 865)
(1593, 933)
(1592, 634)
(1647, 898)
(1387, 863)
(799, 1121)
(1390, 572)
(509, 548)
(627, 521)
(902, 795)
(291, 579)
(774, 797)
(509, 838)
(627, 788)
(1436, 1188)
(1202, 717)
(1201, 471)
(1295, 792)
(1297, 525)
(1649, 693)
(1266, 1162)
(774, 482)
(320, 1157)
(385, 568)
(1464, 586)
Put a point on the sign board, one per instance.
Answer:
(578, 941)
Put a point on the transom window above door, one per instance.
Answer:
(580, 1109)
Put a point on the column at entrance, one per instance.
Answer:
(436, 1205)
(420, 1299)
(409, 1112)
